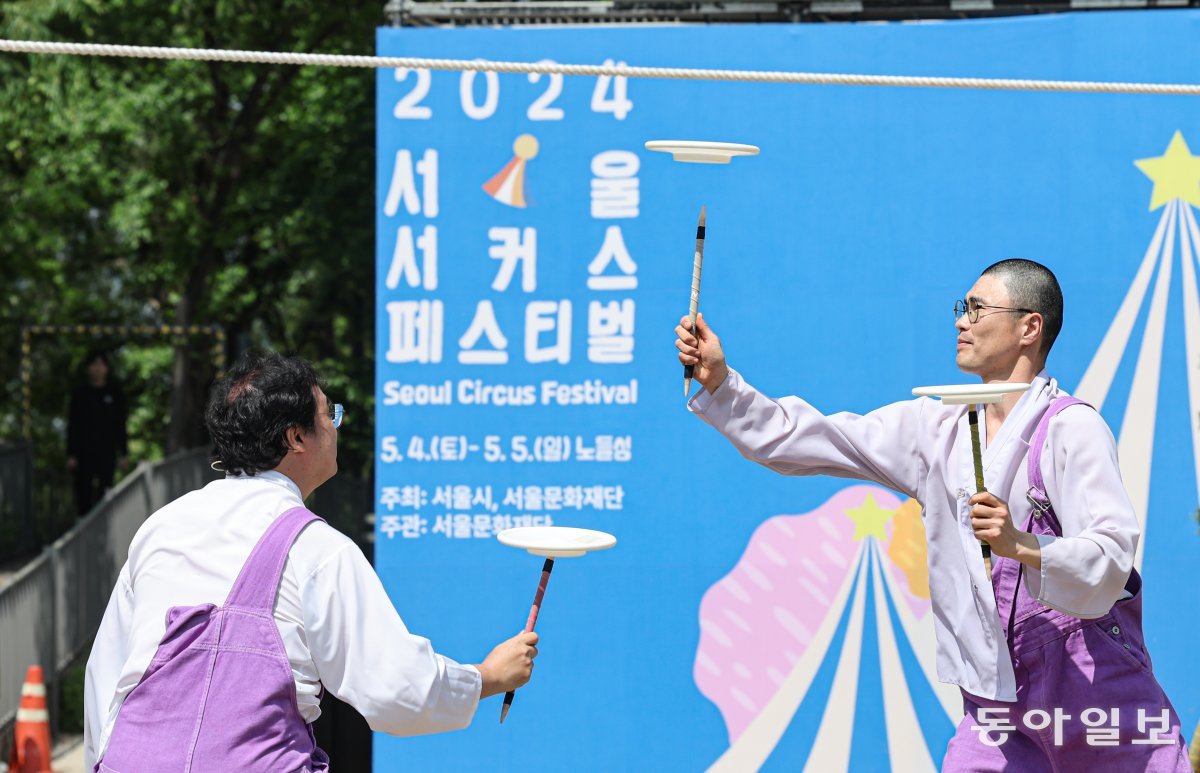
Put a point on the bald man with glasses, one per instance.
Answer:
(1049, 646)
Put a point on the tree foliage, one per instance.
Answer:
(169, 192)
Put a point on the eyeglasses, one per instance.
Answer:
(971, 309)
(336, 412)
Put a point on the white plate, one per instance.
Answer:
(556, 541)
(702, 152)
(963, 394)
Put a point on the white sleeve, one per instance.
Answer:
(109, 652)
(791, 437)
(367, 658)
(1084, 572)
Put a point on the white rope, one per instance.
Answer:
(677, 73)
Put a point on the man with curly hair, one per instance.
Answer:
(237, 607)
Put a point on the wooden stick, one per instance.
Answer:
(697, 263)
(977, 456)
(529, 624)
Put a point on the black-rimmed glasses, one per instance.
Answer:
(972, 309)
(336, 412)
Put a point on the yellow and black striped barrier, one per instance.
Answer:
(29, 331)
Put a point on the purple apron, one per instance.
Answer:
(219, 694)
(1086, 697)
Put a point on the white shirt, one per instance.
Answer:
(922, 448)
(338, 625)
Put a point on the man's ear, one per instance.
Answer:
(295, 440)
(1035, 327)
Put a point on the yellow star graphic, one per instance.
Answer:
(1176, 174)
(870, 519)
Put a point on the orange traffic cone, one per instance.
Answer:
(31, 752)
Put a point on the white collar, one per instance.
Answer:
(270, 476)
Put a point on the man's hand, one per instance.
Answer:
(509, 665)
(706, 356)
(993, 524)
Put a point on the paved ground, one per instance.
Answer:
(68, 755)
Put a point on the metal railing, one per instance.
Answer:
(16, 501)
(51, 608)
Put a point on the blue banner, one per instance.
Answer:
(533, 259)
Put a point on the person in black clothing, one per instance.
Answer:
(96, 439)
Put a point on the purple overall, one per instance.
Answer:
(1086, 697)
(219, 693)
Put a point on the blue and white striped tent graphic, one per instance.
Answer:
(1176, 176)
(876, 680)
(863, 692)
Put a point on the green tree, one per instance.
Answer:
(170, 192)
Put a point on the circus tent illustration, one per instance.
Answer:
(827, 613)
(508, 186)
(818, 647)
(1176, 177)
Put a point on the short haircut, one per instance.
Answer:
(251, 409)
(1031, 285)
(96, 354)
